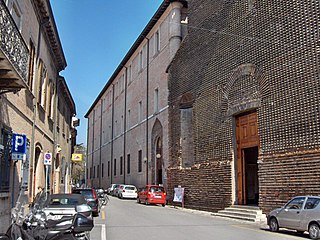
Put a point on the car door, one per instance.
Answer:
(310, 212)
(290, 216)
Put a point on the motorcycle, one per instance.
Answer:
(35, 226)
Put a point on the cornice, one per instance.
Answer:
(44, 12)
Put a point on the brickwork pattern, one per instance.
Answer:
(278, 42)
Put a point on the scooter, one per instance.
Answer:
(36, 227)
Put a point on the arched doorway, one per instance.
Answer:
(158, 177)
(39, 170)
(247, 158)
(157, 169)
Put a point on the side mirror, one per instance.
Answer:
(83, 208)
(82, 224)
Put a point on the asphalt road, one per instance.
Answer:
(126, 219)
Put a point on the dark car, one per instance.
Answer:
(59, 205)
(91, 197)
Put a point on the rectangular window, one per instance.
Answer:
(108, 168)
(129, 74)
(140, 112)
(115, 167)
(156, 100)
(31, 65)
(5, 143)
(90, 172)
(94, 171)
(140, 61)
(140, 161)
(102, 170)
(50, 99)
(128, 163)
(98, 171)
(128, 119)
(121, 165)
(157, 42)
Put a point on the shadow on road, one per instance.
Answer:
(288, 232)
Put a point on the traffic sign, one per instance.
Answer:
(47, 158)
(19, 146)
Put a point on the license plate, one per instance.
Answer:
(130, 191)
(157, 196)
(56, 217)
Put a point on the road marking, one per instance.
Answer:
(102, 215)
(103, 232)
(270, 233)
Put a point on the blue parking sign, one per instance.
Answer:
(19, 146)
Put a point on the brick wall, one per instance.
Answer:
(242, 55)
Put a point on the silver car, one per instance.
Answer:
(301, 213)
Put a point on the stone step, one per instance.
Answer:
(234, 217)
(246, 213)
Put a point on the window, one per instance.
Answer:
(129, 74)
(102, 170)
(94, 171)
(128, 119)
(121, 165)
(140, 61)
(128, 163)
(140, 161)
(5, 143)
(50, 99)
(156, 100)
(156, 42)
(312, 203)
(140, 112)
(98, 171)
(16, 15)
(108, 168)
(295, 203)
(115, 167)
(31, 65)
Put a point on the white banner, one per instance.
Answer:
(178, 194)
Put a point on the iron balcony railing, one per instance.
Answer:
(12, 45)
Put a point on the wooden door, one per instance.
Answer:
(246, 137)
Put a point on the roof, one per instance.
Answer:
(135, 46)
(67, 95)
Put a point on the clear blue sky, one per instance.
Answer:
(96, 35)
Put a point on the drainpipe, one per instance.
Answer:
(92, 158)
(100, 160)
(112, 134)
(125, 125)
(87, 158)
(147, 115)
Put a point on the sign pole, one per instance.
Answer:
(46, 183)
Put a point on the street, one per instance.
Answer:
(126, 219)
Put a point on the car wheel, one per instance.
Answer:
(163, 205)
(138, 200)
(314, 231)
(147, 202)
(273, 225)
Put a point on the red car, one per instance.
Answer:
(152, 194)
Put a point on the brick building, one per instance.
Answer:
(244, 104)
(31, 89)
(128, 121)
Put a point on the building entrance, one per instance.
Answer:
(247, 157)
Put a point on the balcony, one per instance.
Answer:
(13, 54)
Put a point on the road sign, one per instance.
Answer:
(47, 158)
(76, 157)
(19, 146)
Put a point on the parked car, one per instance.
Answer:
(58, 206)
(128, 191)
(301, 213)
(117, 189)
(91, 197)
(110, 189)
(152, 194)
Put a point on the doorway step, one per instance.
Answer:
(242, 212)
